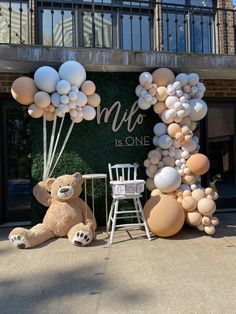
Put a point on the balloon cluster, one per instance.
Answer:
(56, 93)
(174, 167)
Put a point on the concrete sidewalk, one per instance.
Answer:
(189, 273)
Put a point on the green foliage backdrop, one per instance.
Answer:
(92, 146)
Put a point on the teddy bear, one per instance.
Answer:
(67, 214)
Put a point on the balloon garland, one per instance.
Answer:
(174, 167)
(51, 95)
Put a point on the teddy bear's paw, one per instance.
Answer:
(82, 238)
(19, 241)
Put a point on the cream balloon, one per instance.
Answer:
(73, 72)
(46, 79)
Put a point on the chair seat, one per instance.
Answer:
(127, 196)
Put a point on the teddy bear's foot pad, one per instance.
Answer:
(19, 241)
(82, 238)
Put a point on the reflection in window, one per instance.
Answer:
(101, 35)
(174, 32)
(57, 28)
(135, 32)
(13, 22)
(201, 33)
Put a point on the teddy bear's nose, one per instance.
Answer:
(64, 190)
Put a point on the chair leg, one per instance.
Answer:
(136, 208)
(110, 214)
(114, 221)
(144, 219)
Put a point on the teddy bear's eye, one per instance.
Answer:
(68, 184)
(59, 186)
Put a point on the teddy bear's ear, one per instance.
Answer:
(78, 177)
(48, 184)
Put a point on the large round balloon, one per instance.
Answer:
(23, 90)
(167, 179)
(198, 109)
(73, 72)
(46, 79)
(163, 77)
(164, 215)
(89, 113)
(198, 164)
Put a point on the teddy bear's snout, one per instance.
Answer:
(64, 190)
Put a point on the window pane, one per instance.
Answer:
(13, 23)
(135, 33)
(201, 33)
(102, 33)
(57, 28)
(174, 32)
(202, 3)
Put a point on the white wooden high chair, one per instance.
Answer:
(124, 186)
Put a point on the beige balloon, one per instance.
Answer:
(159, 107)
(94, 100)
(206, 206)
(189, 203)
(209, 229)
(214, 221)
(164, 215)
(35, 112)
(198, 194)
(42, 99)
(150, 184)
(163, 77)
(88, 87)
(23, 90)
(161, 93)
(194, 218)
(198, 164)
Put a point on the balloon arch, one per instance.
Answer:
(173, 168)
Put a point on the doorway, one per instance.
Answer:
(15, 167)
(220, 147)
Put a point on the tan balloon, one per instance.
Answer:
(94, 100)
(163, 77)
(168, 161)
(187, 193)
(88, 87)
(156, 192)
(173, 128)
(209, 229)
(35, 112)
(206, 206)
(161, 94)
(194, 218)
(159, 107)
(23, 90)
(150, 184)
(214, 221)
(189, 179)
(198, 164)
(198, 194)
(164, 215)
(186, 121)
(189, 203)
(147, 163)
(206, 221)
(42, 99)
(209, 191)
(49, 116)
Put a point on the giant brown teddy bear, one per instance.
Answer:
(67, 215)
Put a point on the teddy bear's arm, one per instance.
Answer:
(41, 194)
(88, 216)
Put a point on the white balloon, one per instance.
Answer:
(55, 99)
(89, 113)
(73, 72)
(155, 140)
(177, 85)
(167, 180)
(46, 79)
(62, 108)
(187, 108)
(154, 100)
(72, 105)
(81, 99)
(198, 109)
(160, 129)
(143, 104)
(148, 98)
(167, 116)
(78, 118)
(165, 141)
(179, 93)
(170, 101)
(73, 113)
(190, 147)
(72, 96)
(170, 90)
(63, 87)
(178, 105)
(145, 77)
(74, 88)
(193, 79)
(182, 78)
(138, 90)
(64, 99)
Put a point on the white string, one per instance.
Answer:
(63, 146)
(55, 146)
(51, 144)
(44, 146)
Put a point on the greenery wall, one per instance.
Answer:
(92, 146)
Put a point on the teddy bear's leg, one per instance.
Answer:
(23, 238)
(80, 234)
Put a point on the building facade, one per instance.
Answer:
(109, 37)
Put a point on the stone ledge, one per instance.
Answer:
(25, 59)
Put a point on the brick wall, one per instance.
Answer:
(6, 80)
(220, 88)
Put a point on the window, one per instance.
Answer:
(188, 26)
(14, 22)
